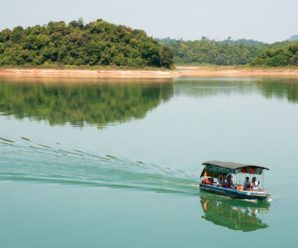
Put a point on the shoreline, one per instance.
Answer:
(236, 71)
(178, 72)
(87, 73)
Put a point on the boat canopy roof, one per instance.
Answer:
(219, 167)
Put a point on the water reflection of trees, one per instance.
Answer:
(270, 88)
(81, 103)
(234, 214)
(212, 87)
(280, 88)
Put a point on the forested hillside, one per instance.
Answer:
(205, 51)
(233, 52)
(96, 43)
(278, 54)
(101, 43)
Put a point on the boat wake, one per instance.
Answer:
(24, 160)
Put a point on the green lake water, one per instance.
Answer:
(118, 165)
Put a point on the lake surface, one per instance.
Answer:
(104, 164)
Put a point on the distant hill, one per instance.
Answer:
(233, 52)
(96, 43)
(244, 42)
(278, 54)
(293, 38)
(206, 51)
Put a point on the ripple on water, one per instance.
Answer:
(29, 161)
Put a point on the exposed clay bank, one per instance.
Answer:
(178, 72)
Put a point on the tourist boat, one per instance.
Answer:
(213, 170)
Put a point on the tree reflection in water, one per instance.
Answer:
(82, 103)
(278, 88)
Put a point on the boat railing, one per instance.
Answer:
(238, 187)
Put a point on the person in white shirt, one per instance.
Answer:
(221, 180)
(255, 184)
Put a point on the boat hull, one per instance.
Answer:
(249, 195)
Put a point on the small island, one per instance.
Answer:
(97, 43)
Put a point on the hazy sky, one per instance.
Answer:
(265, 20)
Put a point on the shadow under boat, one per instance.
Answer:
(238, 215)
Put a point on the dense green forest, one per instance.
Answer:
(233, 52)
(91, 104)
(96, 43)
(278, 54)
(100, 43)
(205, 51)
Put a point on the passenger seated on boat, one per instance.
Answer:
(229, 182)
(247, 184)
(211, 180)
(215, 182)
(254, 184)
(221, 180)
(208, 180)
